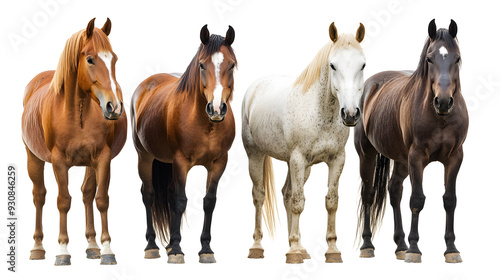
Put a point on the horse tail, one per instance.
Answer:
(270, 196)
(379, 192)
(163, 199)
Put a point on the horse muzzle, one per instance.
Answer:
(443, 106)
(350, 118)
(216, 115)
(112, 111)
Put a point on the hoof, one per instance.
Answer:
(400, 255)
(453, 258)
(333, 258)
(207, 258)
(37, 254)
(176, 258)
(93, 253)
(294, 258)
(413, 258)
(256, 253)
(63, 260)
(108, 259)
(367, 253)
(152, 254)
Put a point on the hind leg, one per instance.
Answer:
(215, 171)
(367, 155)
(35, 171)
(256, 169)
(399, 173)
(335, 168)
(145, 167)
(286, 191)
(89, 188)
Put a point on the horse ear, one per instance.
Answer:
(204, 35)
(229, 36)
(432, 29)
(333, 32)
(360, 34)
(453, 29)
(90, 28)
(106, 28)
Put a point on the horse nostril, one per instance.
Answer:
(210, 108)
(358, 113)
(450, 104)
(109, 107)
(436, 102)
(343, 114)
(223, 108)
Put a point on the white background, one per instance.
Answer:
(272, 37)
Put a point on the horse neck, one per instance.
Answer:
(325, 95)
(75, 99)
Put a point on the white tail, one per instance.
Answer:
(270, 199)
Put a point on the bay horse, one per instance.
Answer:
(412, 119)
(303, 121)
(179, 123)
(73, 116)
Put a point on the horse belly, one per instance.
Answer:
(385, 135)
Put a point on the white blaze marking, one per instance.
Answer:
(217, 59)
(443, 51)
(107, 57)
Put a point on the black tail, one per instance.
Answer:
(379, 193)
(163, 198)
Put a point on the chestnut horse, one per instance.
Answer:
(413, 119)
(179, 123)
(73, 116)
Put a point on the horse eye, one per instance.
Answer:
(429, 60)
(90, 60)
(363, 67)
(333, 67)
(232, 66)
(458, 60)
(202, 66)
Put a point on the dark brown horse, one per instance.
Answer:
(179, 123)
(73, 117)
(412, 119)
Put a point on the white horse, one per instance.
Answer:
(303, 121)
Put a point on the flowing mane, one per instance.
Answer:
(191, 78)
(68, 62)
(313, 71)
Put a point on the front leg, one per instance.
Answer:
(417, 160)
(335, 168)
(452, 255)
(102, 202)
(180, 169)
(298, 167)
(63, 205)
(215, 171)
(89, 188)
